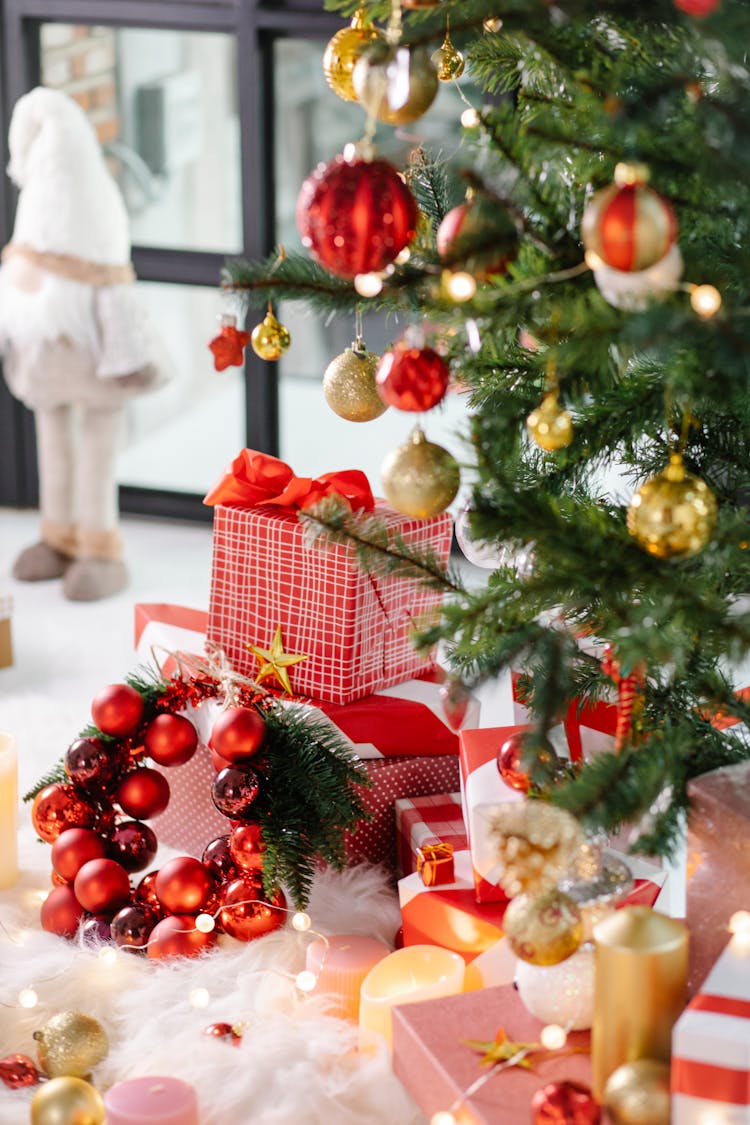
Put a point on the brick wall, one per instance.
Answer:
(80, 60)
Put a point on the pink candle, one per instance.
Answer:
(151, 1101)
(341, 964)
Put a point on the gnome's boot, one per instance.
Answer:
(99, 571)
(50, 558)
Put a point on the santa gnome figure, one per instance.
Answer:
(75, 342)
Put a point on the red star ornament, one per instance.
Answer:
(229, 346)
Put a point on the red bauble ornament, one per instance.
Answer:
(455, 698)
(412, 378)
(356, 216)
(698, 8)
(143, 794)
(91, 763)
(565, 1103)
(73, 848)
(131, 927)
(17, 1071)
(509, 763)
(246, 847)
(183, 885)
(58, 880)
(217, 761)
(145, 892)
(171, 740)
(96, 931)
(224, 1031)
(219, 861)
(102, 886)
(478, 236)
(176, 936)
(61, 912)
(237, 734)
(228, 347)
(117, 710)
(628, 225)
(58, 807)
(234, 791)
(133, 845)
(247, 913)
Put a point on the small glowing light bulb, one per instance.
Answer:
(368, 284)
(469, 119)
(107, 955)
(28, 998)
(706, 300)
(492, 24)
(301, 921)
(592, 260)
(404, 256)
(306, 981)
(739, 923)
(43, 895)
(204, 923)
(553, 1037)
(443, 1117)
(460, 286)
(200, 997)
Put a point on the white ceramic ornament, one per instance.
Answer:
(562, 993)
(634, 291)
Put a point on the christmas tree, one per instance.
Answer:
(591, 292)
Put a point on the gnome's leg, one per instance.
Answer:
(51, 557)
(98, 570)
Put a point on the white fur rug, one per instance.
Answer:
(295, 1064)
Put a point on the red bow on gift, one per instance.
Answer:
(257, 478)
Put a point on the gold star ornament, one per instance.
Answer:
(273, 662)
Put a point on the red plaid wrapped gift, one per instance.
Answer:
(711, 1046)
(427, 820)
(354, 630)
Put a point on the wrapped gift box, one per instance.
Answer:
(354, 629)
(427, 820)
(6, 643)
(162, 629)
(437, 1065)
(710, 1071)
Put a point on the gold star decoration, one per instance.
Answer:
(274, 661)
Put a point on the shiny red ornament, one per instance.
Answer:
(145, 892)
(246, 846)
(58, 807)
(228, 347)
(183, 885)
(17, 1071)
(58, 880)
(131, 927)
(102, 886)
(217, 761)
(356, 216)
(75, 847)
(224, 1031)
(478, 236)
(117, 710)
(234, 791)
(699, 8)
(217, 857)
(248, 913)
(509, 764)
(96, 930)
(143, 794)
(133, 845)
(413, 379)
(176, 936)
(565, 1103)
(61, 912)
(171, 740)
(238, 734)
(91, 763)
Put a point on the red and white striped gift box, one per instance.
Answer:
(354, 630)
(710, 1074)
(427, 820)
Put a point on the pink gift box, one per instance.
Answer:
(355, 630)
(427, 820)
(436, 1065)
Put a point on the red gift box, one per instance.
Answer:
(437, 1065)
(161, 629)
(435, 864)
(427, 820)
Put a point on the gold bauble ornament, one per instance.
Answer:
(420, 478)
(637, 1093)
(673, 514)
(270, 339)
(549, 425)
(543, 929)
(349, 384)
(448, 60)
(67, 1101)
(395, 84)
(71, 1043)
(343, 51)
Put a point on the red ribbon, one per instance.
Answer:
(720, 1005)
(705, 1080)
(255, 478)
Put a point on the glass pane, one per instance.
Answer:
(164, 104)
(181, 436)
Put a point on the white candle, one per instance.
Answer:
(417, 972)
(8, 811)
(151, 1101)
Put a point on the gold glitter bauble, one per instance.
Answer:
(71, 1044)
(343, 51)
(549, 425)
(448, 61)
(270, 339)
(420, 478)
(673, 515)
(637, 1093)
(395, 84)
(349, 385)
(67, 1101)
(535, 844)
(543, 929)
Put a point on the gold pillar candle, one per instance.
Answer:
(640, 978)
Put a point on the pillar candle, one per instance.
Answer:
(640, 982)
(8, 811)
(151, 1101)
(417, 972)
(341, 963)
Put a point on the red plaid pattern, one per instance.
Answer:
(427, 820)
(355, 631)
